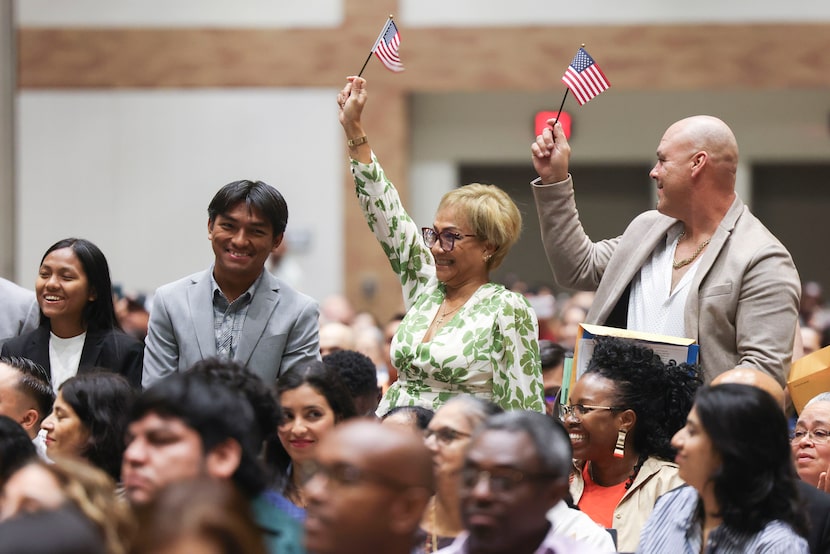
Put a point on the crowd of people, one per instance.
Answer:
(235, 414)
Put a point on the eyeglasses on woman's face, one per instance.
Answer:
(579, 410)
(445, 436)
(816, 436)
(445, 238)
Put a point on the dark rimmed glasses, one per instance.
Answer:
(445, 238)
(500, 480)
(579, 410)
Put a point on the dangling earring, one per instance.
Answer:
(619, 450)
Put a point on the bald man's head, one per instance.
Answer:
(370, 491)
(711, 135)
(756, 378)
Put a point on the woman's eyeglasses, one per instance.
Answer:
(579, 410)
(445, 435)
(445, 238)
(817, 436)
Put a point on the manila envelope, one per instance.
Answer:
(809, 376)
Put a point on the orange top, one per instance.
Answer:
(598, 501)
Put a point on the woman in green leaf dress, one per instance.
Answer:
(462, 333)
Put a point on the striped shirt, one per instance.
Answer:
(674, 527)
(229, 317)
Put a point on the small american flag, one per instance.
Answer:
(386, 46)
(584, 77)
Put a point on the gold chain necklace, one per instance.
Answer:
(445, 314)
(682, 263)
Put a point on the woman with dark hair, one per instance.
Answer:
(78, 328)
(313, 399)
(621, 415)
(16, 448)
(735, 455)
(89, 420)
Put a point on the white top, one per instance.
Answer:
(64, 357)
(579, 526)
(653, 307)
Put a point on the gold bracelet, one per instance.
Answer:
(357, 141)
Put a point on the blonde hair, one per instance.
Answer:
(491, 214)
(93, 492)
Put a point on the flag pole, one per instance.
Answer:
(562, 105)
(372, 51)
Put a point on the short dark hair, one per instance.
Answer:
(34, 382)
(98, 313)
(756, 482)
(551, 441)
(326, 381)
(551, 354)
(660, 394)
(422, 416)
(101, 399)
(16, 448)
(255, 194)
(357, 371)
(215, 412)
(236, 376)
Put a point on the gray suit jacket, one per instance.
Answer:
(280, 330)
(743, 304)
(19, 313)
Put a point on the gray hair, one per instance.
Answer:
(553, 446)
(820, 397)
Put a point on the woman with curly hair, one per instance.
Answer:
(622, 414)
(734, 454)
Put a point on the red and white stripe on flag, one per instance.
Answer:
(386, 47)
(584, 77)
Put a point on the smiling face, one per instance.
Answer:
(594, 435)
(307, 417)
(672, 172)
(696, 457)
(66, 435)
(63, 291)
(242, 240)
(812, 458)
(465, 263)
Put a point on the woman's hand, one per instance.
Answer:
(351, 101)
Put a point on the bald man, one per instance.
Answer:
(817, 503)
(699, 266)
(370, 490)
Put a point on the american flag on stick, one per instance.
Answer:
(584, 77)
(386, 46)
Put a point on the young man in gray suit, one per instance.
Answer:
(700, 266)
(235, 309)
(20, 313)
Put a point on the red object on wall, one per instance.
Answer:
(541, 121)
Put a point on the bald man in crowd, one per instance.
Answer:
(370, 490)
(817, 502)
(699, 266)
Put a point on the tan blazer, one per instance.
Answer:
(743, 304)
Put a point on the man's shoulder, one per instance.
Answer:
(11, 288)
(181, 284)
